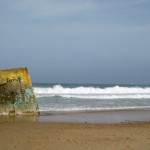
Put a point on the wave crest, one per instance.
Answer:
(115, 92)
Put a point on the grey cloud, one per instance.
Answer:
(87, 40)
(51, 8)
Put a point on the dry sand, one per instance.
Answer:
(74, 136)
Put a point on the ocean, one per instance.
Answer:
(58, 98)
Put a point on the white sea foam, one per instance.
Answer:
(43, 109)
(115, 92)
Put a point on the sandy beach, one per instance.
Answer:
(73, 136)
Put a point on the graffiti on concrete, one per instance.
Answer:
(19, 79)
(16, 93)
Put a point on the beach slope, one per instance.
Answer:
(66, 136)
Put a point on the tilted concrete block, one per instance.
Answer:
(16, 93)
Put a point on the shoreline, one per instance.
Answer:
(99, 117)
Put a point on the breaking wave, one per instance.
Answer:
(115, 92)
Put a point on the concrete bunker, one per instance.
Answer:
(16, 93)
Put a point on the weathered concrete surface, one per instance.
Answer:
(16, 93)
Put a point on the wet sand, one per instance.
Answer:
(105, 117)
(73, 136)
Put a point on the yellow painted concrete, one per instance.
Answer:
(15, 74)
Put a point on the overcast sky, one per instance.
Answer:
(81, 41)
